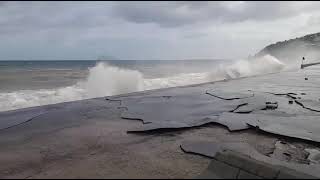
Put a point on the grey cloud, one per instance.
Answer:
(147, 29)
(2, 3)
(162, 13)
(195, 35)
(18, 17)
(173, 14)
(167, 14)
(313, 20)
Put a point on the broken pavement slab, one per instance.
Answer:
(218, 170)
(227, 95)
(192, 110)
(288, 152)
(312, 105)
(211, 148)
(146, 127)
(233, 165)
(314, 156)
(61, 130)
(302, 127)
(177, 111)
(234, 121)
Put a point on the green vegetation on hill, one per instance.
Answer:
(294, 49)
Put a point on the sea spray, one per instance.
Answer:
(244, 68)
(105, 80)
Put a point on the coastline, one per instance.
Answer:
(88, 138)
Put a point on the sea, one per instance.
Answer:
(34, 83)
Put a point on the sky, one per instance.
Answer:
(84, 30)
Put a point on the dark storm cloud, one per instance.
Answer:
(2, 3)
(182, 29)
(29, 16)
(24, 16)
(173, 14)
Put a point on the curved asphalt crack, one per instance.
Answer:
(302, 105)
(108, 99)
(240, 105)
(228, 99)
(290, 95)
(24, 121)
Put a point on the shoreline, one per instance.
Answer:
(147, 91)
(89, 138)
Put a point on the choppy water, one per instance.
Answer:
(33, 83)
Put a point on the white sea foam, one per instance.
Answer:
(244, 68)
(106, 80)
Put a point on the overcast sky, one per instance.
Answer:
(149, 30)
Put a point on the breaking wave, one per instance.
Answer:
(106, 80)
(244, 68)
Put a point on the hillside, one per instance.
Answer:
(294, 49)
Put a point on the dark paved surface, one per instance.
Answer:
(231, 165)
(90, 138)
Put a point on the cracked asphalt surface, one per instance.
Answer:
(90, 139)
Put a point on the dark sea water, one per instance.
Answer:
(33, 83)
(31, 75)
